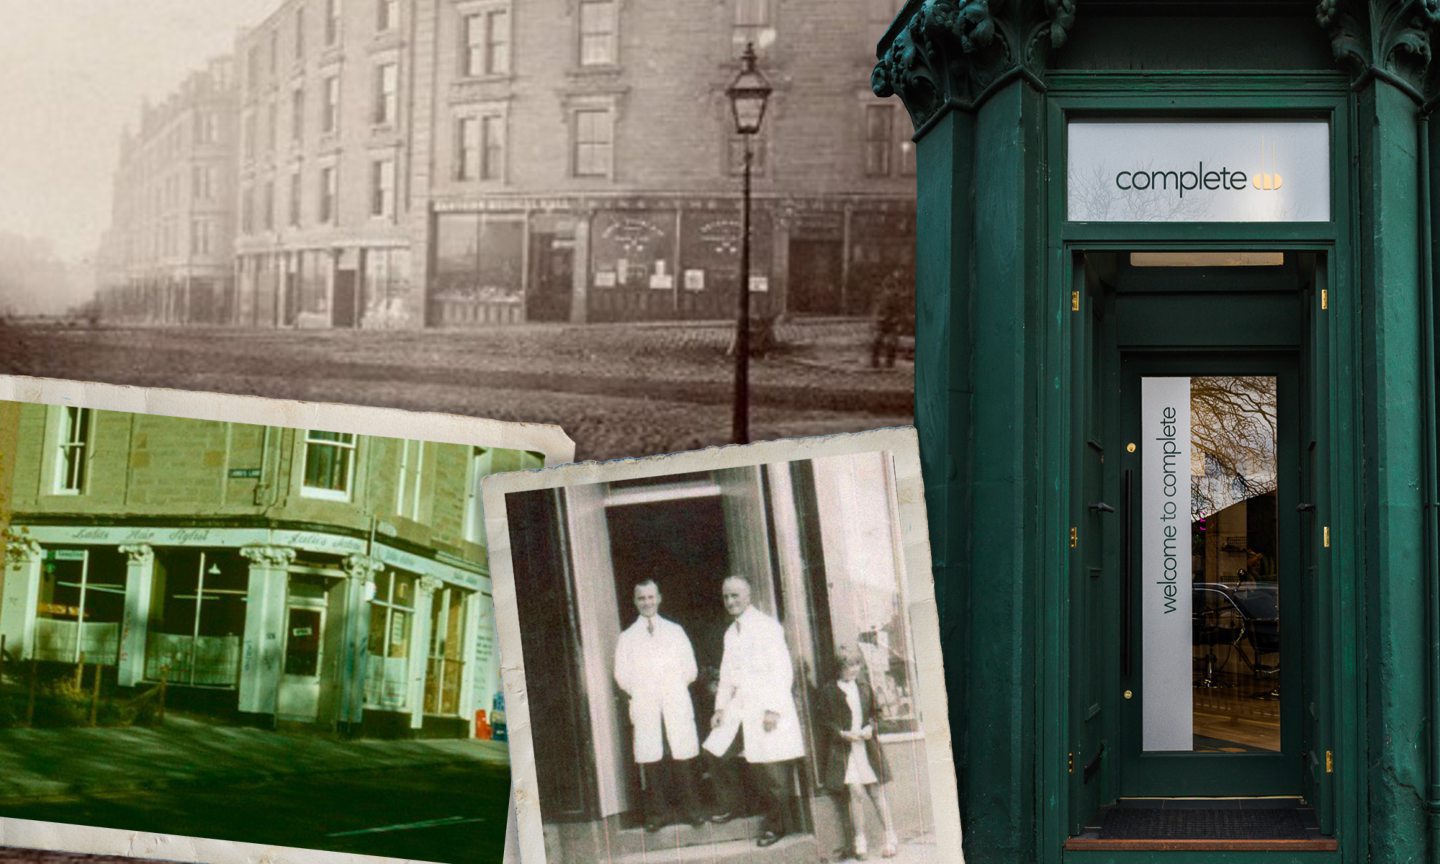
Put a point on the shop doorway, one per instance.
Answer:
(299, 696)
(344, 311)
(552, 276)
(816, 277)
(1196, 653)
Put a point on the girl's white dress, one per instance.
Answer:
(857, 766)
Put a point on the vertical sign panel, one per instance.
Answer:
(1166, 695)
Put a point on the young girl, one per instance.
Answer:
(856, 765)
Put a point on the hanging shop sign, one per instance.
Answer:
(1198, 171)
(1166, 695)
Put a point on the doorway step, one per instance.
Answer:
(731, 843)
(1176, 824)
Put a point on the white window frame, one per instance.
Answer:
(382, 187)
(328, 207)
(74, 435)
(576, 110)
(484, 166)
(410, 479)
(334, 23)
(387, 15)
(478, 43)
(609, 39)
(350, 447)
(330, 107)
(385, 109)
(481, 459)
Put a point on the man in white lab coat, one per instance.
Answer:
(754, 713)
(655, 665)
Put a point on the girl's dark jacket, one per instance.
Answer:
(834, 719)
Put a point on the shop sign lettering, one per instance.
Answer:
(1198, 171)
(1165, 692)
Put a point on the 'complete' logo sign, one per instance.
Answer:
(1223, 179)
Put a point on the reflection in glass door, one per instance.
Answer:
(1210, 565)
(1235, 561)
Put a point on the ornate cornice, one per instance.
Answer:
(139, 553)
(20, 549)
(948, 52)
(362, 568)
(1383, 39)
(269, 556)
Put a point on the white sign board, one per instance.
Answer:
(1166, 697)
(1198, 171)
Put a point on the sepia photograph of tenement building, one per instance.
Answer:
(550, 187)
(208, 627)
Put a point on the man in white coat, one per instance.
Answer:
(754, 713)
(655, 665)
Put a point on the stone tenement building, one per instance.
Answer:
(168, 256)
(300, 575)
(457, 162)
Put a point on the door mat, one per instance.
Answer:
(1146, 823)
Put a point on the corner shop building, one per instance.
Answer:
(1180, 255)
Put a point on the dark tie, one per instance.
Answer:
(650, 625)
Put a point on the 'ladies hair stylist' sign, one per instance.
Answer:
(1198, 171)
(1165, 697)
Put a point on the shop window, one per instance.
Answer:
(197, 617)
(879, 122)
(80, 604)
(445, 667)
(329, 465)
(407, 484)
(475, 505)
(486, 50)
(592, 133)
(864, 609)
(387, 88)
(382, 188)
(392, 612)
(753, 25)
(387, 15)
(478, 259)
(599, 32)
(333, 23)
(314, 284)
(387, 282)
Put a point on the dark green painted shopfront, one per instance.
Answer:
(1176, 387)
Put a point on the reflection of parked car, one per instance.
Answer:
(1243, 618)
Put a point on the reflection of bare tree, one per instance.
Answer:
(1232, 433)
(1095, 198)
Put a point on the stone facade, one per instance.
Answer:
(310, 546)
(167, 257)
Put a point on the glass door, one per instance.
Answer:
(1213, 597)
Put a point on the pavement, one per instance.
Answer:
(48, 764)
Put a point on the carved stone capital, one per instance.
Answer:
(362, 568)
(430, 584)
(950, 51)
(139, 553)
(1388, 40)
(20, 549)
(269, 556)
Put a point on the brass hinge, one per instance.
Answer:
(1074, 537)
(1070, 763)
(1324, 298)
(1329, 762)
(1074, 301)
(1326, 536)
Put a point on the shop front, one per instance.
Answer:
(264, 625)
(1176, 379)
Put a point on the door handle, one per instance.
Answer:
(1304, 508)
(1127, 550)
(1102, 507)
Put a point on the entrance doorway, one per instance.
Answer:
(1195, 601)
(552, 276)
(815, 277)
(299, 696)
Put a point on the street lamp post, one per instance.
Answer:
(748, 96)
